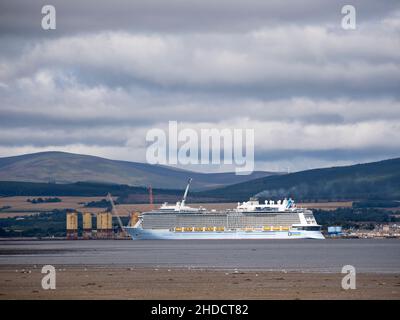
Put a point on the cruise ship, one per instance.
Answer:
(249, 220)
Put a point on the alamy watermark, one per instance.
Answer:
(210, 146)
(49, 18)
(49, 280)
(349, 18)
(349, 280)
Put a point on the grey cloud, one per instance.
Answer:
(56, 138)
(269, 64)
(29, 119)
(75, 108)
(23, 17)
(316, 95)
(352, 155)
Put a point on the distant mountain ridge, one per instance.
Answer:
(375, 180)
(62, 167)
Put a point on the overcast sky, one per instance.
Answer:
(315, 94)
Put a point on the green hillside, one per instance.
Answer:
(62, 167)
(376, 180)
(81, 189)
(125, 193)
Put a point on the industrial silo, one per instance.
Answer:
(104, 225)
(87, 225)
(72, 225)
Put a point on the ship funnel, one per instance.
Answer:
(186, 192)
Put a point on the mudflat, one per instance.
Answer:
(301, 255)
(110, 282)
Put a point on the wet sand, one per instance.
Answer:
(110, 282)
(207, 269)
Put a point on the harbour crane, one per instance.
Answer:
(114, 211)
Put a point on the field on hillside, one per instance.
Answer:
(19, 206)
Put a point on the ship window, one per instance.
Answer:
(309, 228)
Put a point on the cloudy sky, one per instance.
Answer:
(315, 94)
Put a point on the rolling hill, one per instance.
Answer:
(61, 167)
(375, 180)
(125, 193)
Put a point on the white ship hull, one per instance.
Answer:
(165, 234)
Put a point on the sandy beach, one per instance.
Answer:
(100, 282)
(112, 269)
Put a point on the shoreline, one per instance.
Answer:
(10, 239)
(194, 268)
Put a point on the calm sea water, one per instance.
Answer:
(367, 255)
